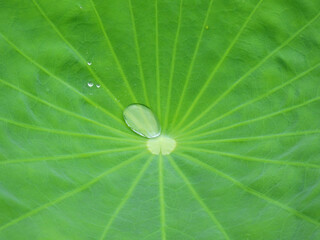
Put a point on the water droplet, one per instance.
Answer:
(207, 27)
(98, 86)
(142, 121)
(89, 63)
(80, 7)
(90, 84)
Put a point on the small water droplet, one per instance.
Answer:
(207, 27)
(98, 86)
(142, 120)
(89, 63)
(80, 7)
(90, 84)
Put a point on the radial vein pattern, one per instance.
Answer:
(235, 83)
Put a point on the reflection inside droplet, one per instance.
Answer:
(98, 86)
(142, 120)
(90, 84)
(89, 63)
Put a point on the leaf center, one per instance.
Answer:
(162, 145)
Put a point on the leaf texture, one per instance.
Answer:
(234, 82)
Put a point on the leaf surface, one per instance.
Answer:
(235, 83)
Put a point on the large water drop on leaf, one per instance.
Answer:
(142, 120)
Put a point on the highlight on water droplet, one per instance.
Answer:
(98, 86)
(90, 84)
(89, 63)
(142, 120)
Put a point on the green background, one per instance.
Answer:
(234, 82)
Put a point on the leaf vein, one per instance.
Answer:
(273, 90)
(223, 95)
(68, 194)
(198, 198)
(192, 64)
(254, 159)
(252, 191)
(126, 198)
(285, 110)
(60, 80)
(217, 67)
(77, 53)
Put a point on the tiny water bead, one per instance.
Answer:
(89, 63)
(90, 84)
(142, 121)
(98, 86)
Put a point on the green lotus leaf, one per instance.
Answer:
(235, 85)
